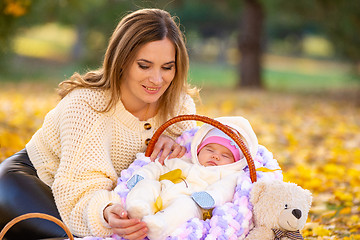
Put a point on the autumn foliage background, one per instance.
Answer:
(308, 116)
(315, 138)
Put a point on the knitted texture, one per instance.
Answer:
(233, 220)
(79, 152)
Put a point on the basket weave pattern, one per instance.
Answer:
(35, 215)
(212, 122)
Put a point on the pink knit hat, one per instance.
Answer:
(219, 137)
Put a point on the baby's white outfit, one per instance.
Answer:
(166, 196)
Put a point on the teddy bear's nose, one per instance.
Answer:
(296, 213)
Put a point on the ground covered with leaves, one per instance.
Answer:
(315, 138)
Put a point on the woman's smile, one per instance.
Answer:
(151, 90)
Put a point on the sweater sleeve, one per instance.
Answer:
(86, 177)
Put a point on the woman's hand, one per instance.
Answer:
(117, 218)
(165, 146)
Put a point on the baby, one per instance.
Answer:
(166, 196)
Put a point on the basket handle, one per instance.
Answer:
(35, 215)
(212, 122)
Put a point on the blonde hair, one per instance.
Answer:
(132, 32)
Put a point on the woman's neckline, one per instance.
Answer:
(145, 113)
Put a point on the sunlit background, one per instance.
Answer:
(305, 107)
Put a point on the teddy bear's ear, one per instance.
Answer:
(308, 197)
(258, 188)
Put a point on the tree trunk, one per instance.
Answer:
(78, 50)
(250, 40)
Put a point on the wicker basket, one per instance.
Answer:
(35, 215)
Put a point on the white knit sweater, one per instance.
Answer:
(79, 152)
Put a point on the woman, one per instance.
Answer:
(104, 118)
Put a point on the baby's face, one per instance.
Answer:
(214, 154)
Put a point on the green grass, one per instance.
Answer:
(203, 75)
(42, 71)
(211, 75)
(290, 80)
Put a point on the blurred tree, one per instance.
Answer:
(337, 20)
(250, 44)
(94, 21)
(10, 12)
(340, 21)
(220, 19)
(209, 19)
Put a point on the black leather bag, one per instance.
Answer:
(21, 192)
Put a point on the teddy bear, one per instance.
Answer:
(280, 210)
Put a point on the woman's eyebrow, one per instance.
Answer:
(144, 60)
(171, 62)
(147, 61)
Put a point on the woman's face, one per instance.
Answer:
(150, 74)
